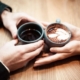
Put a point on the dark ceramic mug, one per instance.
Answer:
(30, 32)
(54, 43)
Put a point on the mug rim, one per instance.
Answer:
(56, 42)
(24, 41)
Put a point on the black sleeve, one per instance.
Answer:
(3, 7)
(4, 74)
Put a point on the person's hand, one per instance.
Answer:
(15, 57)
(12, 20)
(70, 49)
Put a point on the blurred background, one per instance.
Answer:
(49, 10)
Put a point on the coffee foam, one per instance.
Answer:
(60, 35)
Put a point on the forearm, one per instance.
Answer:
(4, 71)
(4, 7)
(4, 14)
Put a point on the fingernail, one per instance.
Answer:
(41, 40)
(50, 49)
(35, 65)
(39, 61)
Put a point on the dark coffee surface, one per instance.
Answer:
(30, 35)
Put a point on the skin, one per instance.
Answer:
(12, 20)
(16, 56)
(26, 53)
(72, 48)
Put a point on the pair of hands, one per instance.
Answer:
(70, 49)
(17, 56)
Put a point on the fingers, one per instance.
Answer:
(70, 47)
(58, 49)
(71, 27)
(63, 49)
(33, 54)
(45, 23)
(24, 16)
(53, 58)
(13, 42)
(66, 48)
(30, 47)
(13, 30)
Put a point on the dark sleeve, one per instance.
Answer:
(2, 8)
(4, 74)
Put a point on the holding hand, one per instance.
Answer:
(11, 20)
(12, 56)
(70, 49)
(15, 57)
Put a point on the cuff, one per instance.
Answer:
(5, 66)
(4, 74)
(4, 7)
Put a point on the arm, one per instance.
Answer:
(12, 56)
(2, 8)
(12, 20)
(72, 48)
(4, 73)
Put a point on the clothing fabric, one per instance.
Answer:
(4, 7)
(4, 73)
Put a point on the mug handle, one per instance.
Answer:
(58, 21)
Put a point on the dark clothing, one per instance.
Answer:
(3, 7)
(4, 74)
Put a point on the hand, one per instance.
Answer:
(12, 20)
(15, 57)
(70, 49)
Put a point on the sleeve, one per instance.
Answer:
(4, 7)
(4, 74)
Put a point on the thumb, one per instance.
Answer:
(13, 30)
(53, 58)
(59, 49)
(13, 42)
(69, 47)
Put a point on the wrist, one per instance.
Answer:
(3, 16)
(3, 8)
(4, 13)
